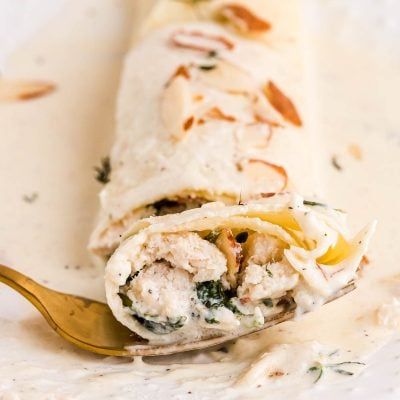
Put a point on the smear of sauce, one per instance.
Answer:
(51, 146)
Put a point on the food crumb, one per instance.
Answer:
(355, 151)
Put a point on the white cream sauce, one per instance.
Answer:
(50, 145)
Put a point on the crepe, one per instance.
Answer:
(225, 270)
(207, 234)
(208, 110)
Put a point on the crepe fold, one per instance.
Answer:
(226, 270)
(206, 112)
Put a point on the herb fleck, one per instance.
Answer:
(207, 67)
(211, 320)
(103, 172)
(313, 203)
(319, 369)
(30, 198)
(270, 274)
(268, 302)
(335, 163)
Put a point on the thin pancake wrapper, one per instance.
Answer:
(224, 270)
(210, 108)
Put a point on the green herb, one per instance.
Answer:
(335, 163)
(211, 320)
(318, 369)
(126, 301)
(268, 302)
(270, 274)
(345, 363)
(313, 203)
(207, 67)
(162, 328)
(211, 293)
(230, 306)
(242, 237)
(131, 277)
(212, 236)
(343, 372)
(103, 172)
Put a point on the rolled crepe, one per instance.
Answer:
(207, 111)
(225, 270)
(209, 129)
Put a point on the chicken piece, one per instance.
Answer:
(261, 249)
(187, 251)
(266, 281)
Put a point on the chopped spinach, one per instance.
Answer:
(211, 320)
(211, 293)
(230, 306)
(126, 301)
(166, 206)
(103, 172)
(130, 278)
(268, 302)
(162, 328)
(212, 236)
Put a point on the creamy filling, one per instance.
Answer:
(218, 280)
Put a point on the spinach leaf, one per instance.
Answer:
(162, 328)
(268, 302)
(126, 301)
(211, 293)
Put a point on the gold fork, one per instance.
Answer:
(90, 324)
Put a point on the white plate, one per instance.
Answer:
(50, 145)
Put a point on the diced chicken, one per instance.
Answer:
(264, 272)
(266, 281)
(161, 291)
(262, 249)
(187, 251)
